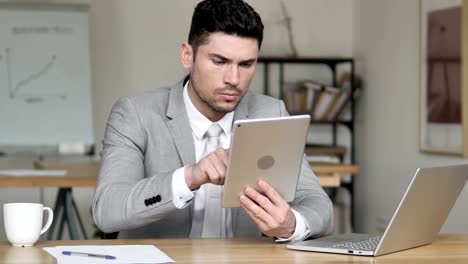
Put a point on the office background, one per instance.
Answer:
(135, 47)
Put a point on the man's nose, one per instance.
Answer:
(231, 75)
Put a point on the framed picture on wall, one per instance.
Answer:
(441, 77)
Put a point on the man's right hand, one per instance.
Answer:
(210, 169)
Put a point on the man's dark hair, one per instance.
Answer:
(232, 17)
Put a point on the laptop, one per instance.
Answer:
(265, 148)
(417, 220)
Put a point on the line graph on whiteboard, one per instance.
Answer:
(23, 87)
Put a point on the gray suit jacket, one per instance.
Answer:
(147, 138)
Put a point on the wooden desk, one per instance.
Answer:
(446, 249)
(72, 179)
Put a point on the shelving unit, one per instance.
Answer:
(331, 63)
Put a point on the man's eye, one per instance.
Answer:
(218, 62)
(246, 65)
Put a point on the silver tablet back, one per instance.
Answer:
(269, 148)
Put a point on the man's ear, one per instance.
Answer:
(186, 55)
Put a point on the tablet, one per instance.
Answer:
(270, 149)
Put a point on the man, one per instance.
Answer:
(155, 179)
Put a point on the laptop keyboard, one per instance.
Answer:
(368, 245)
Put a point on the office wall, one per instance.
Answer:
(135, 47)
(386, 41)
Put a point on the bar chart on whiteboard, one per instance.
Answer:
(45, 75)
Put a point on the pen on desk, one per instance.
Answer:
(83, 254)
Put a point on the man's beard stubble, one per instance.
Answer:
(212, 103)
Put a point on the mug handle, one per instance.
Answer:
(50, 217)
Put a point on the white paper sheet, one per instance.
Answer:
(124, 254)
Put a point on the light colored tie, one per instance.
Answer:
(215, 220)
(212, 138)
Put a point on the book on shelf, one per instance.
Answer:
(324, 154)
(348, 94)
(295, 96)
(328, 159)
(301, 99)
(288, 98)
(340, 103)
(300, 96)
(325, 102)
(332, 105)
(313, 91)
(321, 149)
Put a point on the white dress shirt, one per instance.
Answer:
(183, 196)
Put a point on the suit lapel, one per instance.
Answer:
(242, 110)
(179, 125)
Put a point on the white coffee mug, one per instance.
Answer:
(23, 222)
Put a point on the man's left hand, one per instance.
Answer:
(269, 210)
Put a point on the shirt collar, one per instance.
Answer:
(199, 122)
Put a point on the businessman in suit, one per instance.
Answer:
(155, 179)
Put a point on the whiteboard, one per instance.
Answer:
(45, 75)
